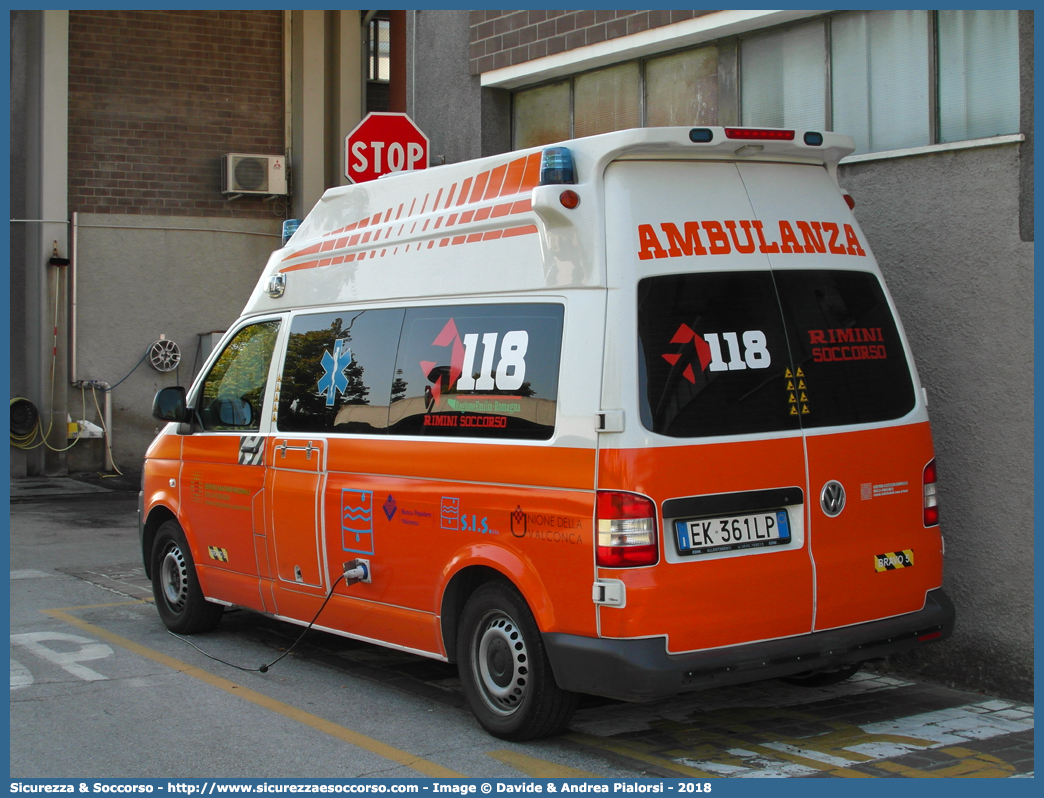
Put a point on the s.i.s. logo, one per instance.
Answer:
(753, 353)
(507, 375)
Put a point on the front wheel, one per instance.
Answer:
(504, 669)
(179, 599)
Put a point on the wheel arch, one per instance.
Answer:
(157, 516)
(477, 566)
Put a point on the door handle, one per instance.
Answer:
(306, 449)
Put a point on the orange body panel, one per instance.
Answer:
(379, 622)
(707, 603)
(551, 467)
(327, 501)
(882, 471)
(217, 495)
(542, 539)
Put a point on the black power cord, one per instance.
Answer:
(264, 668)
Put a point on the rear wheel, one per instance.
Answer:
(175, 587)
(504, 669)
(824, 678)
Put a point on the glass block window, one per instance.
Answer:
(541, 115)
(682, 89)
(880, 83)
(607, 100)
(890, 79)
(783, 78)
(978, 74)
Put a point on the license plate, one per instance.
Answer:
(728, 533)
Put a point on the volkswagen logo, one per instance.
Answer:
(832, 497)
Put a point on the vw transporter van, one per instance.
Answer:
(632, 415)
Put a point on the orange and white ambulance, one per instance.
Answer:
(629, 416)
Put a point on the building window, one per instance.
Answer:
(889, 79)
(682, 89)
(880, 81)
(606, 100)
(978, 74)
(378, 62)
(678, 89)
(542, 115)
(783, 79)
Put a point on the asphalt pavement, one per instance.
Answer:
(99, 688)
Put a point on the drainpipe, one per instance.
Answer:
(74, 268)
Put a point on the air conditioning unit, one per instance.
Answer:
(242, 173)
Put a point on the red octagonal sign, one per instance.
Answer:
(384, 143)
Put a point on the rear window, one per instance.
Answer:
(845, 341)
(731, 353)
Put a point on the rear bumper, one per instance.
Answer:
(640, 669)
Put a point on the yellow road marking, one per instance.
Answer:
(627, 751)
(99, 606)
(293, 713)
(538, 768)
(973, 764)
(797, 759)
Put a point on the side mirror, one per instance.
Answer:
(170, 404)
(234, 412)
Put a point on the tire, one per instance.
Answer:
(824, 678)
(504, 669)
(179, 599)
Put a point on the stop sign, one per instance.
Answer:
(384, 143)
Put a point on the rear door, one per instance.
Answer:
(713, 431)
(866, 432)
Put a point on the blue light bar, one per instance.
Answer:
(556, 166)
(289, 228)
(701, 135)
(814, 139)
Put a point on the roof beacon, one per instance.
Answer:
(556, 166)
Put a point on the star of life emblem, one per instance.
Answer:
(334, 363)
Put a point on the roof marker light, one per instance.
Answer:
(814, 139)
(569, 199)
(556, 166)
(701, 135)
(762, 134)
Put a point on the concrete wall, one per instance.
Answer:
(142, 276)
(461, 119)
(39, 88)
(945, 229)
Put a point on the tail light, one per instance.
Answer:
(931, 504)
(762, 134)
(626, 524)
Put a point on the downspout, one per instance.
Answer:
(71, 287)
(73, 269)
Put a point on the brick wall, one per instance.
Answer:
(505, 38)
(155, 99)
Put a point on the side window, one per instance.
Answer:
(337, 376)
(488, 371)
(231, 395)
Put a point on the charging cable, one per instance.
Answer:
(354, 571)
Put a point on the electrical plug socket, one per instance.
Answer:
(352, 570)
